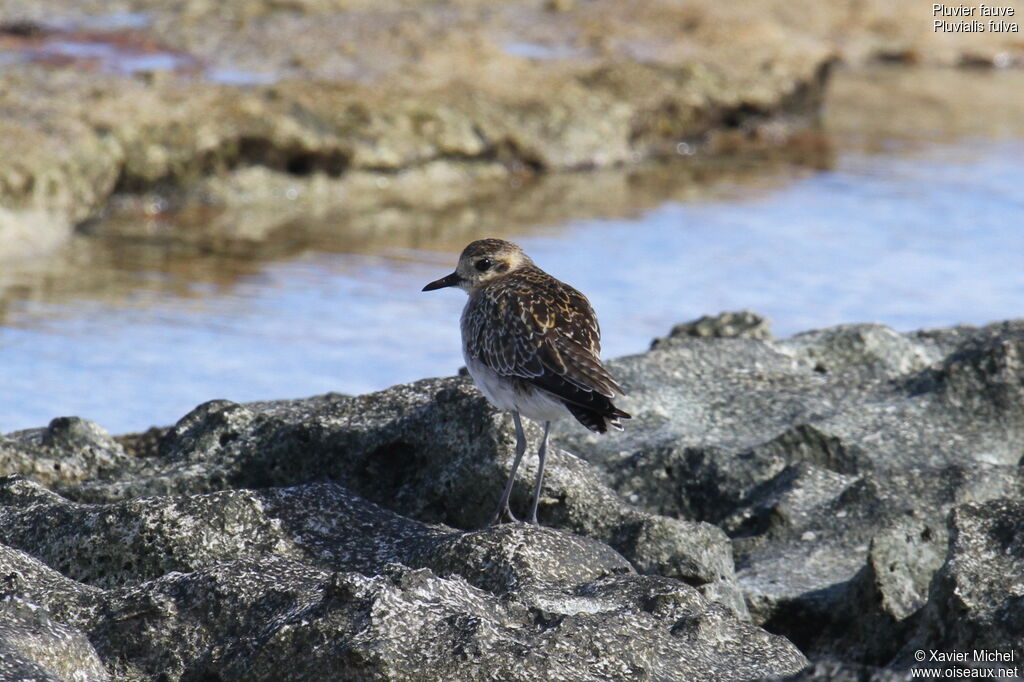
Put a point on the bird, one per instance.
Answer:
(532, 345)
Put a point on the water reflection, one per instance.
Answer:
(136, 252)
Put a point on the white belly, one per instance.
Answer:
(532, 403)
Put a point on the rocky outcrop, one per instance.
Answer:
(831, 459)
(232, 122)
(186, 104)
(33, 646)
(975, 599)
(286, 583)
(853, 490)
(432, 450)
(744, 324)
(69, 450)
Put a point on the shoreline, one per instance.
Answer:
(765, 484)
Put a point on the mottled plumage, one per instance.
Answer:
(532, 344)
(539, 333)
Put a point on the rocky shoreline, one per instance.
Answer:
(307, 105)
(821, 507)
(849, 496)
(452, 105)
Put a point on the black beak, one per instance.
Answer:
(452, 280)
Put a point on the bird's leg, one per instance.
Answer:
(520, 449)
(540, 473)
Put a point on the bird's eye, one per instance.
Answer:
(484, 264)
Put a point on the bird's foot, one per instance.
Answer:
(498, 515)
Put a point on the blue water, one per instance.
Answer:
(929, 240)
(539, 51)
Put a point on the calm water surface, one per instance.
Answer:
(930, 239)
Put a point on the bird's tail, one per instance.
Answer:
(598, 420)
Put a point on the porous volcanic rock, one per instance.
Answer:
(831, 459)
(976, 599)
(69, 450)
(434, 450)
(34, 646)
(744, 324)
(854, 489)
(312, 581)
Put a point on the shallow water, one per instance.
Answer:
(109, 43)
(920, 236)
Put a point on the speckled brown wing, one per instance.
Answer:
(530, 326)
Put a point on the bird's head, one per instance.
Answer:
(481, 262)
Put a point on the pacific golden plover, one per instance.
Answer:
(532, 345)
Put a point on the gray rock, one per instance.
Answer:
(847, 580)
(68, 451)
(802, 484)
(976, 600)
(279, 619)
(289, 583)
(34, 646)
(831, 458)
(124, 543)
(434, 450)
(744, 324)
(870, 350)
(24, 578)
(837, 671)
